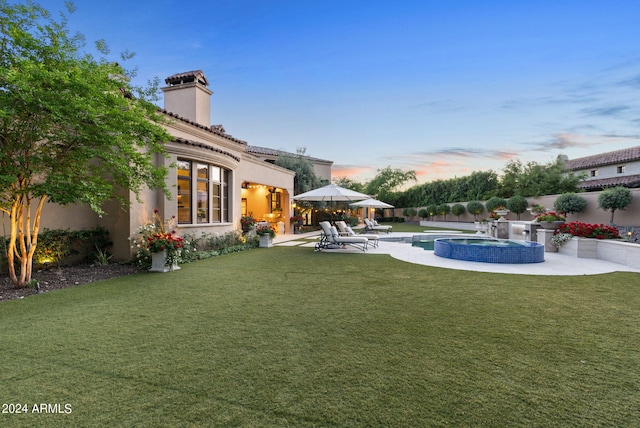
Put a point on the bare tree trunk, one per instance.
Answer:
(24, 239)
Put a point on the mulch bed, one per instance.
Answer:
(66, 276)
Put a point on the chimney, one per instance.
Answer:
(187, 96)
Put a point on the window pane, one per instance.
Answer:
(203, 171)
(215, 202)
(203, 201)
(215, 174)
(184, 191)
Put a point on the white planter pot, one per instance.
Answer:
(159, 263)
(266, 241)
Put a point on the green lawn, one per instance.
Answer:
(289, 337)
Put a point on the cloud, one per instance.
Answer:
(563, 141)
(349, 171)
(609, 111)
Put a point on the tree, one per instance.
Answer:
(409, 212)
(432, 210)
(533, 179)
(476, 208)
(305, 178)
(443, 210)
(517, 204)
(387, 181)
(423, 213)
(348, 183)
(495, 202)
(458, 210)
(569, 203)
(615, 198)
(72, 128)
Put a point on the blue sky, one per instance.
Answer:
(444, 88)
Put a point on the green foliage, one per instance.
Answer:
(423, 213)
(517, 204)
(476, 208)
(305, 178)
(443, 210)
(495, 202)
(533, 179)
(59, 247)
(478, 185)
(409, 212)
(387, 181)
(432, 210)
(200, 247)
(569, 203)
(350, 184)
(72, 127)
(458, 210)
(616, 198)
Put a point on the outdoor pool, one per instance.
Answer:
(489, 250)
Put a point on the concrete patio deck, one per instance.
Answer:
(554, 264)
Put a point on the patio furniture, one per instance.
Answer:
(345, 230)
(372, 226)
(330, 238)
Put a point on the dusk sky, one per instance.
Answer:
(444, 88)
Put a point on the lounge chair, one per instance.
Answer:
(345, 230)
(373, 226)
(330, 238)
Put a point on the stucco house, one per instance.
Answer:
(214, 181)
(610, 169)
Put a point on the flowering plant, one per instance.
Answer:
(263, 229)
(560, 238)
(588, 230)
(296, 218)
(538, 209)
(550, 216)
(246, 221)
(158, 236)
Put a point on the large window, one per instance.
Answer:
(208, 193)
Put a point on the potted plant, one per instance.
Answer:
(550, 220)
(501, 211)
(247, 222)
(266, 234)
(162, 242)
(297, 221)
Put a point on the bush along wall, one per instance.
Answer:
(60, 247)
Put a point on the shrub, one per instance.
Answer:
(475, 208)
(432, 210)
(617, 198)
(570, 203)
(517, 204)
(588, 230)
(458, 210)
(443, 210)
(423, 213)
(495, 202)
(409, 212)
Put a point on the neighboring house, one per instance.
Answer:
(611, 169)
(214, 182)
(321, 167)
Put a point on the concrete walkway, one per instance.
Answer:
(554, 264)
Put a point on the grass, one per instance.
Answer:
(288, 337)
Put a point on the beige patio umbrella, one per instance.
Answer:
(371, 203)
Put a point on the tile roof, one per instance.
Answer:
(266, 151)
(207, 147)
(214, 129)
(187, 77)
(601, 183)
(618, 156)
